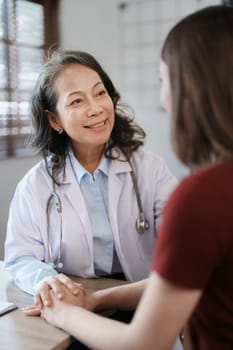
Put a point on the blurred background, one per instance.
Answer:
(124, 36)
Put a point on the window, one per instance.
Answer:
(27, 30)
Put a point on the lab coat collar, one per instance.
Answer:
(80, 171)
(116, 166)
(119, 165)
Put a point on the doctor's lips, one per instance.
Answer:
(96, 125)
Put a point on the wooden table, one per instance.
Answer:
(20, 332)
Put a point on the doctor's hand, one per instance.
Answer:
(68, 298)
(58, 285)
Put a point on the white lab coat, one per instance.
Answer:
(27, 224)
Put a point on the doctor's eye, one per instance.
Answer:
(77, 101)
(101, 92)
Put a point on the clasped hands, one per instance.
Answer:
(55, 292)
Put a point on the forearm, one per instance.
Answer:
(153, 323)
(124, 297)
(28, 272)
(104, 332)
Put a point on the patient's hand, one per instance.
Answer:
(55, 314)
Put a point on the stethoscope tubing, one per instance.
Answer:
(54, 197)
(141, 224)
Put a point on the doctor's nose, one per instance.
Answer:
(93, 108)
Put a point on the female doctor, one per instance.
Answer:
(92, 205)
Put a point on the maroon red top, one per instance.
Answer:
(195, 249)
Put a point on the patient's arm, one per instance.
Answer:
(124, 297)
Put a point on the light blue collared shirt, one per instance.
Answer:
(95, 191)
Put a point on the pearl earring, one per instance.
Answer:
(60, 130)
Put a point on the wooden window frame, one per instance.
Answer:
(13, 145)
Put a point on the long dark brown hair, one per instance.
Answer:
(199, 54)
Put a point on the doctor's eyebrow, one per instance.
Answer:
(81, 91)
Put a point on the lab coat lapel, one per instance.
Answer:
(114, 191)
(72, 191)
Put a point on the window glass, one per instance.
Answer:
(25, 36)
(3, 66)
(27, 14)
(2, 19)
(29, 64)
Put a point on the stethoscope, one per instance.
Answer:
(141, 224)
(54, 198)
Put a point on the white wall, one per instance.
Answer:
(93, 26)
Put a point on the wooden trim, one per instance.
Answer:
(52, 34)
(12, 145)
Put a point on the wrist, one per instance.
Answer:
(95, 301)
(63, 315)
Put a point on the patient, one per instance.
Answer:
(191, 272)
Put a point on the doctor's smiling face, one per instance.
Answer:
(84, 109)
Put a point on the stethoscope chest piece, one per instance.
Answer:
(142, 225)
